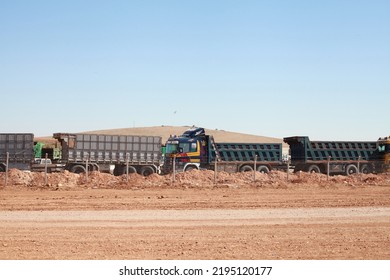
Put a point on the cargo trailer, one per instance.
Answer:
(120, 153)
(335, 157)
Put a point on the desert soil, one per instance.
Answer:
(106, 217)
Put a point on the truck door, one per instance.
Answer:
(203, 151)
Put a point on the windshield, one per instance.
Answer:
(172, 148)
(384, 148)
(187, 147)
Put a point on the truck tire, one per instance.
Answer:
(2, 168)
(190, 167)
(314, 169)
(78, 169)
(299, 167)
(94, 167)
(246, 168)
(132, 170)
(351, 169)
(147, 170)
(118, 171)
(263, 169)
(365, 169)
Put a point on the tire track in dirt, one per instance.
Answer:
(195, 217)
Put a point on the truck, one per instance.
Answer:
(122, 153)
(194, 149)
(338, 157)
(79, 152)
(22, 153)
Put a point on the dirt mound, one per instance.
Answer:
(191, 179)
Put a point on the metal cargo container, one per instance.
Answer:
(141, 153)
(344, 156)
(20, 147)
(238, 157)
(248, 152)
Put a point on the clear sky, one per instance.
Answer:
(274, 68)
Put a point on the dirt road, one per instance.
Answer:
(299, 222)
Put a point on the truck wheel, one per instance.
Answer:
(314, 169)
(2, 168)
(94, 167)
(263, 169)
(132, 170)
(190, 167)
(119, 171)
(146, 171)
(298, 168)
(365, 169)
(246, 168)
(78, 169)
(351, 169)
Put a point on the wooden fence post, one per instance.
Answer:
(127, 167)
(174, 169)
(86, 169)
(46, 169)
(6, 170)
(215, 172)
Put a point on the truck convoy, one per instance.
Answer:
(79, 152)
(196, 150)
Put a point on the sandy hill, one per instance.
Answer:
(166, 131)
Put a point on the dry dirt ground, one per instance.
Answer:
(109, 217)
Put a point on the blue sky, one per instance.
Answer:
(273, 68)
